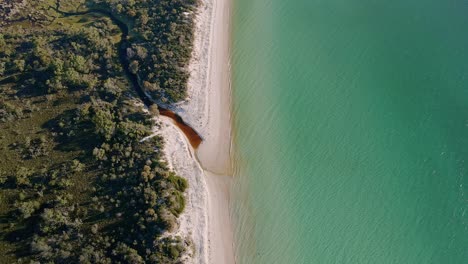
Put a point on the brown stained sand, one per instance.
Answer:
(192, 135)
(214, 153)
(206, 218)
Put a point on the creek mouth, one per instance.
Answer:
(194, 138)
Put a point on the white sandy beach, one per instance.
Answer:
(206, 219)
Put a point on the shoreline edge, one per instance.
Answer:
(206, 218)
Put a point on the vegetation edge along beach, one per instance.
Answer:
(78, 182)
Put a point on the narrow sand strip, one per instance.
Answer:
(206, 219)
(219, 221)
(208, 106)
(193, 223)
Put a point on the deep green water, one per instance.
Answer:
(351, 131)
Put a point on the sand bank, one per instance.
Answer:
(206, 219)
(193, 222)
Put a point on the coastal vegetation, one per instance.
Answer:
(162, 36)
(78, 184)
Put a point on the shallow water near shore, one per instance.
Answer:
(350, 131)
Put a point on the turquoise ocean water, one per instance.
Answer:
(351, 131)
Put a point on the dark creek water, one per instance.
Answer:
(192, 135)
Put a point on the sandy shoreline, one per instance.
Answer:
(206, 218)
